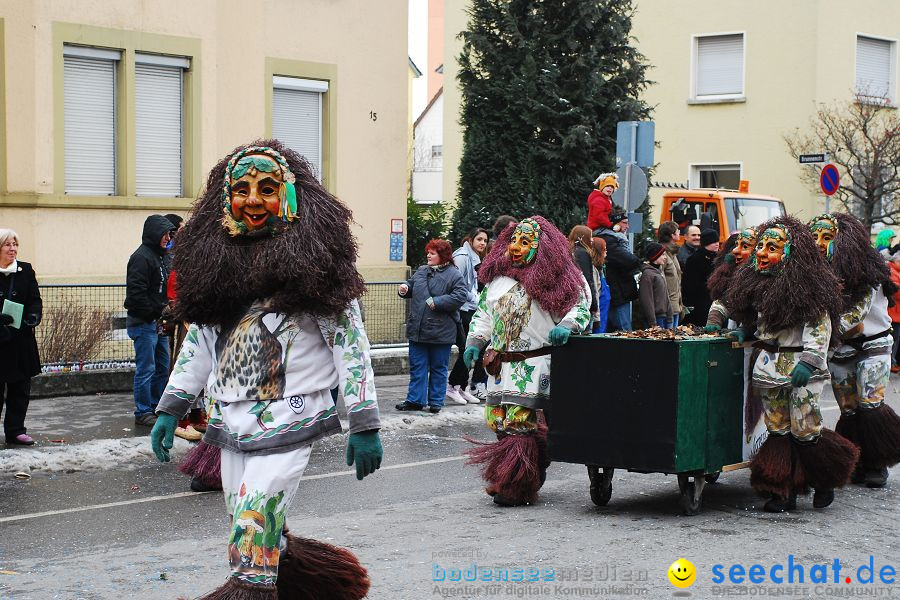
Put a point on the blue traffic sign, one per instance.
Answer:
(829, 179)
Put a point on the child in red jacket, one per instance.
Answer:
(600, 201)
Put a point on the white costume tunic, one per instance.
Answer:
(509, 320)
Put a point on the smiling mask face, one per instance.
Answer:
(744, 246)
(523, 246)
(259, 192)
(824, 229)
(772, 249)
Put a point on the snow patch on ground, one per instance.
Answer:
(92, 455)
(135, 451)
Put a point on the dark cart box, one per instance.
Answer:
(667, 406)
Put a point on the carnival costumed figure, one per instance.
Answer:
(737, 251)
(860, 364)
(267, 279)
(790, 294)
(534, 298)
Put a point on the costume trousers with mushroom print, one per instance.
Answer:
(258, 491)
(794, 410)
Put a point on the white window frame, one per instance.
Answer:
(715, 98)
(104, 54)
(169, 62)
(892, 83)
(306, 85)
(694, 170)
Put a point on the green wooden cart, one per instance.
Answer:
(648, 406)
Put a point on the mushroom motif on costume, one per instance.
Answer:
(252, 523)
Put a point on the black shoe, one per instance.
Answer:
(859, 475)
(779, 504)
(407, 405)
(146, 419)
(434, 409)
(876, 478)
(198, 486)
(823, 497)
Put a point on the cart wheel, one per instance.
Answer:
(712, 477)
(691, 494)
(601, 485)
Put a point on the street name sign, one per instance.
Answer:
(810, 159)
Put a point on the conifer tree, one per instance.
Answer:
(543, 85)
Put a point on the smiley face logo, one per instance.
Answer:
(682, 573)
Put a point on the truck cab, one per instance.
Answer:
(726, 211)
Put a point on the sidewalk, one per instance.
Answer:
(73, 433)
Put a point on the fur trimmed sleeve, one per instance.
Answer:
(816, 337)
(191, 373)
(356, 378)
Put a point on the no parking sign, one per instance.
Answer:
(829, 179)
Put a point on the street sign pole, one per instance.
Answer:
(631, 164)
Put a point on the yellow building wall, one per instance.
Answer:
(797, 54)
(71, 239)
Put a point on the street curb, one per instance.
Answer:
(389, 361)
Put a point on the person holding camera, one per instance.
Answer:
(145, 299)
(19, 294)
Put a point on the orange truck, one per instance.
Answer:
(726, 211)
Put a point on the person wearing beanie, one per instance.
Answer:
(621, 268)
(599, 201)
(654, 294)
(696, 274)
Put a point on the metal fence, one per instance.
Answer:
(84, 324)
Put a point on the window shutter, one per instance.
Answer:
(158, 130)
(720, 65)
(297, 117)
(873, 67)
(89, 111)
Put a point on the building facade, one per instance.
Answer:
(115, 110)
(730, 80)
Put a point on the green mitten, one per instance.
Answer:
(559, 335)
(801, 374)
(730, 259)
(162, 436)
(712, 328)
(364, 448)
(738, 334)
(470, 356)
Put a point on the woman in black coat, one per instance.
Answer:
(697, 270)
(435, 292)
(18, 348)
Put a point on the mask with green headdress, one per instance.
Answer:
(258, 192)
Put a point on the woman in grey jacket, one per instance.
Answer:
(467, 258)
(436, 291)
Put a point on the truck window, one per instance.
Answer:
(686, 212)
(709, 219)
(750, 212)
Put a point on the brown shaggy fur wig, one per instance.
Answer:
(552, 279)
(798, 292)
(857, 264)
(723, 269)
(306, 267)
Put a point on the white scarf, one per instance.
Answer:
(12, 268)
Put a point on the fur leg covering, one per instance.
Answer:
(543, 457)
(829, 461)
(313, 570)
(775, 469)
(234, 589)
(848, 426)
(204, 462)
(879, 437)
(511, 466)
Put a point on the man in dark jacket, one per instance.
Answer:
(696, 273)
(145, 298)
(621, 267)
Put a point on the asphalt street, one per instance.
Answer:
(98, 518)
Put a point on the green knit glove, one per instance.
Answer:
(801, 374)
(162, 436)
(559, 335)
(364, 448)
(470, 356)
(738, 334)
(712, 328)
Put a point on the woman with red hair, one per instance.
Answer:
(435, 292)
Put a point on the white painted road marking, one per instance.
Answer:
(51, 513)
